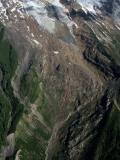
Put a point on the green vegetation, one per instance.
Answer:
(109, 143)
(32, 140)
(32, 149)
(9, 104)
(44, 108)
(5, 113)
(8, 58)
(32, 137)
(30, 85)
(1, 32)
(116, 47)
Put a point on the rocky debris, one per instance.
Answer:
(17, 157)
(72, 139)
(8, 150)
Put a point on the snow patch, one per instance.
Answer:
(37, 8)
(56, 52)
(89, 5)
(36, 42)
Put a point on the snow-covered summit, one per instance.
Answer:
(109, 7)
(89, 5)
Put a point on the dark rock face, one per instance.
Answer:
(109, 68)
(77, 138)
(107, 6)
(52, 11)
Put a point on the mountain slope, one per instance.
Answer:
(59, 74)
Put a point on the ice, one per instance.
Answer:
(89, 5)
(37, 8)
